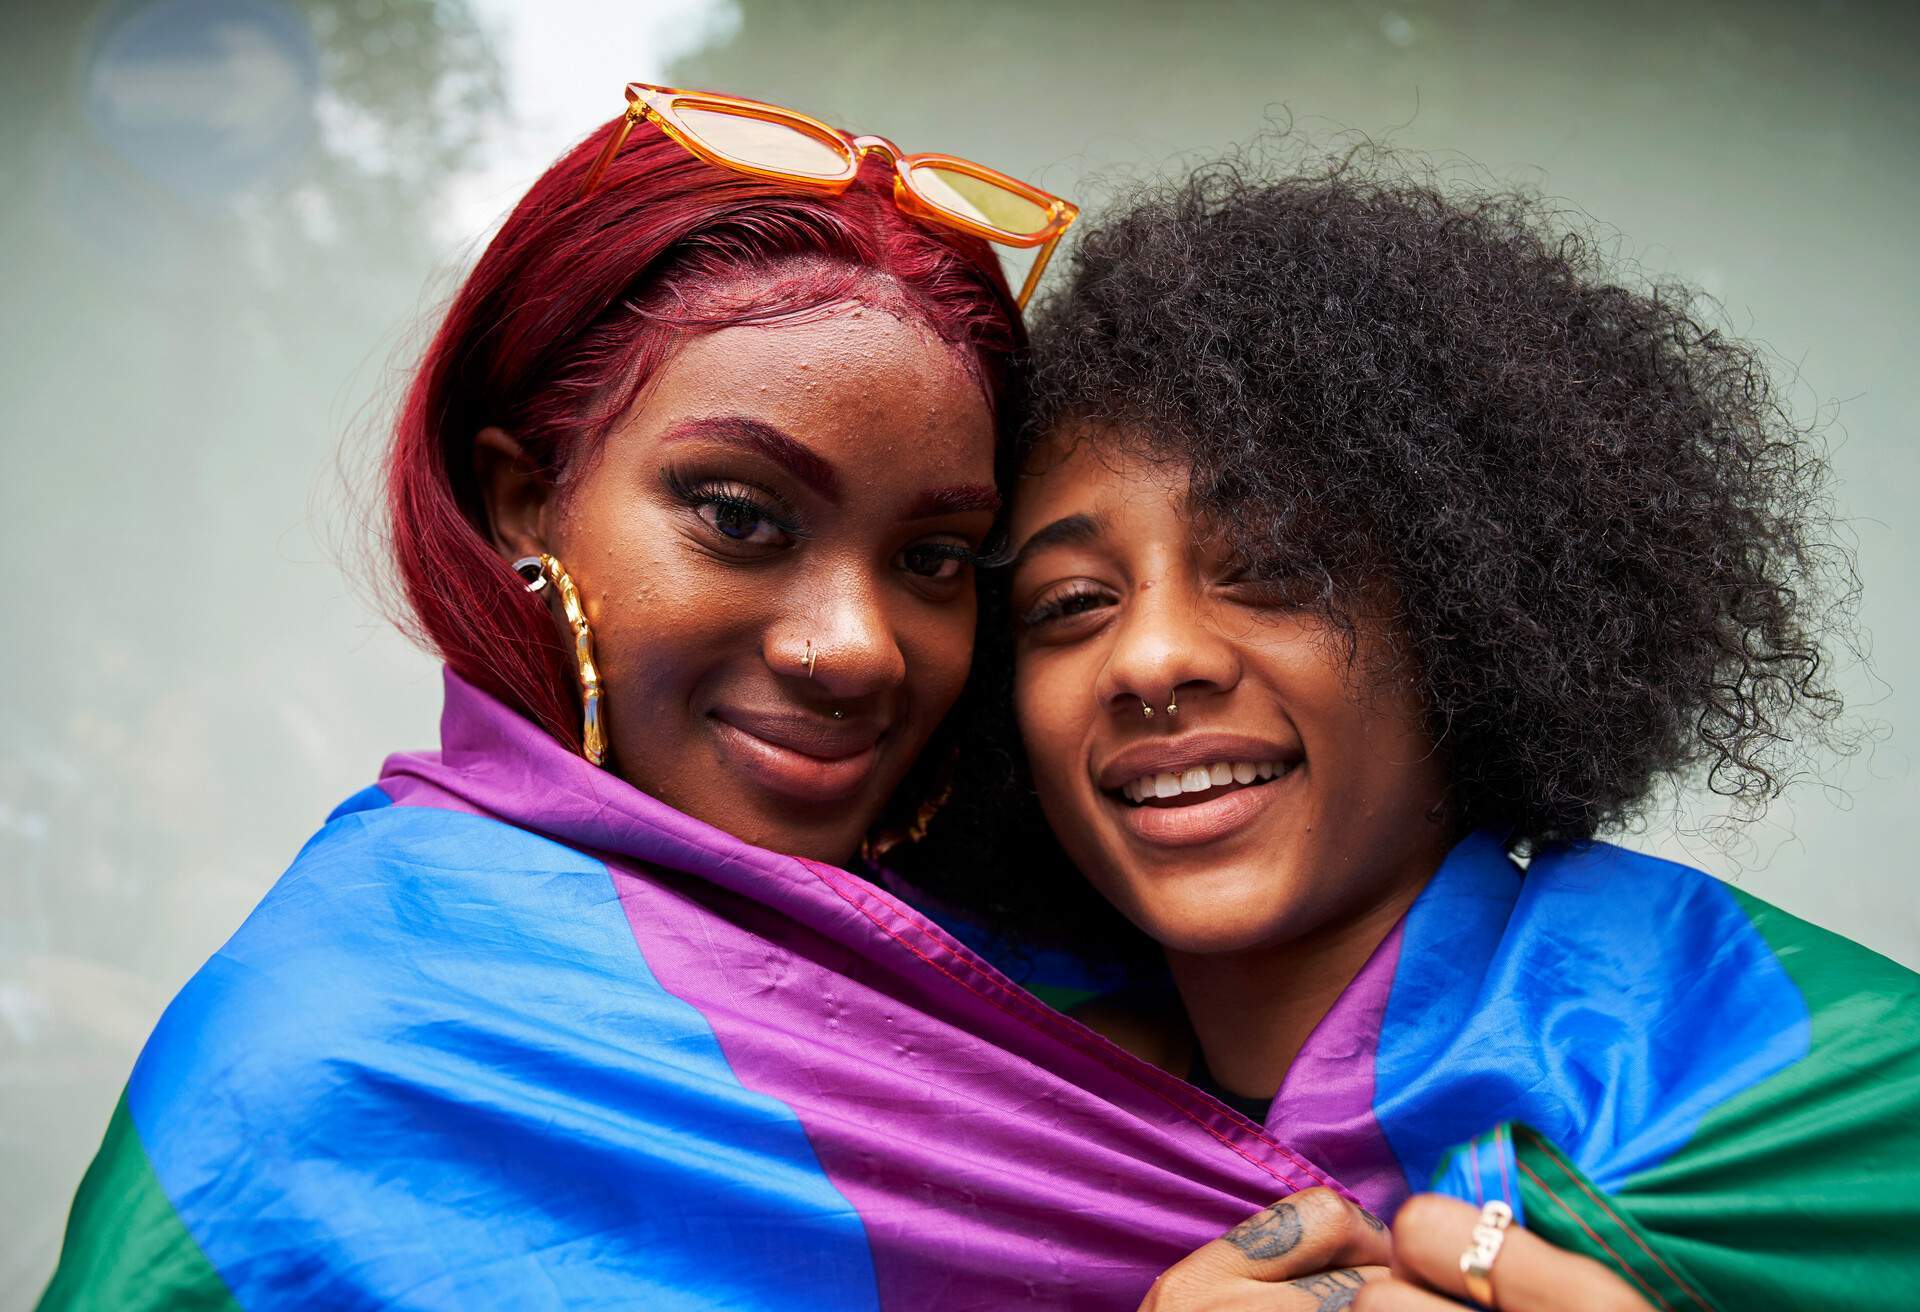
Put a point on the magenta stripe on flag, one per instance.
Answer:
(1325, 1108)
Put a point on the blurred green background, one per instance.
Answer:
(225, 226)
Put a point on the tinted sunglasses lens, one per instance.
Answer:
(979, 200)
(762, 144)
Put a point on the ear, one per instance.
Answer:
(514, 492)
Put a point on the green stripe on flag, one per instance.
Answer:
(1803, 1191)
(126, 1246)
(1567, 1209)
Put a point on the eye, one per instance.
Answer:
(737, 514)
(936, 561)
(1268, 590)
(742, 520)
(1063, 602)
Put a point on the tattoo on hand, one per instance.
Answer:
(1272, 1233)
(1335, 1289)
(1378, 1226)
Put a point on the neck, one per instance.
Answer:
(1252, 1010)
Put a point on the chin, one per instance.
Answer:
(1206, 936)
(1208, 916)
(778, 825)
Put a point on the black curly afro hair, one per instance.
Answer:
(1606, 532)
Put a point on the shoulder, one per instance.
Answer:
(363, 1016)
(1609, 890)
(1723, 1000)
(1612, 1000)
(390, 916)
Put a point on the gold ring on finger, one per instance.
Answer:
(1476, 1264)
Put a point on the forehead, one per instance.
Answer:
(857, 384)
(1105, 473)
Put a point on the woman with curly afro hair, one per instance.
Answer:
(1379, 549)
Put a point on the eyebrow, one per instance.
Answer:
(955, 500)
(764, 439)
(1062, 532)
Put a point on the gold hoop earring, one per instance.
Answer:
(538, 571)
(875, 846)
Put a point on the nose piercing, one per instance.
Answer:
(1145, 709)
(1173, 703)
(839, 715)
(812, 656)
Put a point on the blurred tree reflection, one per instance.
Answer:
(191, 338)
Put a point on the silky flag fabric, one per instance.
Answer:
(1717, 1100)
(510, 1033)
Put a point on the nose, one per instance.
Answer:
(842, 621)
(1166, 653)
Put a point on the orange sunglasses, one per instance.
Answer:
(770, 142)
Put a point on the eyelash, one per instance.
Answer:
(947, 550)
(1054, 606)
(695, 493)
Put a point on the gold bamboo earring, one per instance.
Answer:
(539, 571)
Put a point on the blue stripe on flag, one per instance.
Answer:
(1609, 1000)
(433, 1069)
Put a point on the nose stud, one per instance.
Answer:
(812, 656)
(1145, 709)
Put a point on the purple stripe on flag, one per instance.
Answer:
(998, 1153)
(1325, 1108)
(983, 1181)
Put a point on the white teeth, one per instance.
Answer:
(1198, 779)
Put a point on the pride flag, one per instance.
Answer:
(510, 1033)
(1716, 1099)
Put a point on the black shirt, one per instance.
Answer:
(1254, 1109)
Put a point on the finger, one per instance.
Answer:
(1329, 1291)
(1398, 1296)
(1303, 1234)
(1529, 1275)
(1312, 1231)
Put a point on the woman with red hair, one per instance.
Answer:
(583, 1008)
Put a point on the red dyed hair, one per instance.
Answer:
(568, 314)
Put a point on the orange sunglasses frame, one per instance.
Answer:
(660, 105)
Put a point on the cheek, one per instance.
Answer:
(658, 617)
(1052, 723)
(939, 650)
(1376, 762)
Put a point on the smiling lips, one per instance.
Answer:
(800, 755)
(1183, 792)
